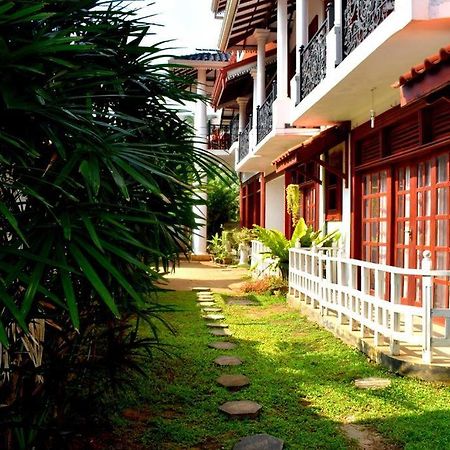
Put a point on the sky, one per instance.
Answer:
(190, 22)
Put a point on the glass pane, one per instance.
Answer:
(420, 205)
(401, 206)
(374, 183)
(400, 260)
(383, 206)
(407, 178)
(427, 203)
(374, 254)
(374, 232)
(382, 257)
(442, 200)
(420, 175)
(428, 167)
(383, 181)
(420, 233)
(442, 233)
(383, 231)
(401, 179)
(442, 171)
(440, 294)
(365, 181)
(366, 209)
(441, 260)
(375, 207)
(407, 205)
(427, 233)
(400, 232)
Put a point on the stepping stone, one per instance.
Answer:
(233, 382)
(221, 332)
(372, 383)
(212, 299)
(228, 361)
(222, 345)
(201, 289)
(203, 304)
(216, 325)
(240, 301)
(241, 409)
(214, 317)
(204, 294)
(212, 310)
(259, 442)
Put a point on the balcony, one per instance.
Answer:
(234, 129)
(244, 144)
(347, 67)
(219, 137)
(265, 115)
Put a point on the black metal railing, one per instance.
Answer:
(234, 129)
(264, 116)
(244, 140)
(313, 62)
(219, 137)
(360, 18)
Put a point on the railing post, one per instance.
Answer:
(394, 344)
(300, 75)
(330, 15)
(427, 327)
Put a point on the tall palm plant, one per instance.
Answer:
(95, 170)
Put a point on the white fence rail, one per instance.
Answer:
(261, 265)
(393, 304)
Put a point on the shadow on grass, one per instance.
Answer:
(300, 374)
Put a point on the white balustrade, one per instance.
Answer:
(374, 299)
(261, 264)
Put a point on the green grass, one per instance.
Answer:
(299, 372)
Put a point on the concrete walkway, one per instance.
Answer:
(206, 273)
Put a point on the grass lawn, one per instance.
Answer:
(300, 373)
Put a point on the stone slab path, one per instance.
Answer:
(233, 382)
(228, 361)
(372, 383)
(222, 345)
(241, 409)
(221, 332)
(259, 442)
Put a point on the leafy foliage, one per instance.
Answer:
(279, 245)
(96, 168)
(223, 203)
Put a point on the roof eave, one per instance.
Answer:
(227, 23)
(198, 64)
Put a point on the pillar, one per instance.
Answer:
(242, 103)
(201, 131)
(254, 73)
(282, 49)
(301, 25)
(261, 36)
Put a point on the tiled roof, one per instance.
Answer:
(431, 63)
(206, 55)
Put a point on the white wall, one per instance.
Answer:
(275, 204)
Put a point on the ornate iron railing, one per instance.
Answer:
(360, 18)
(244, 140)
(219, 137)
(234, 129)
(264, 121)
(313, 58)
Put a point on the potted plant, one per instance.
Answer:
(244, 237)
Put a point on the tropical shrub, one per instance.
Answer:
(95, 200)
(265, 285)
(279, 245)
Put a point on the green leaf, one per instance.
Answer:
(12, 221)
(94, 279)
(91, 230)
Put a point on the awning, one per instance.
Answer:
(234, 80)
(312, 148)
(426, 78)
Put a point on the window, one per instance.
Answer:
(333, 186)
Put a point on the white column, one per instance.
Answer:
(242, 103)
(301, 25)
(261, 36)
(201, 131)
(254, 74)
(282, 49)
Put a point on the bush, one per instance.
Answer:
(266, 285)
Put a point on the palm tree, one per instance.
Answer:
(95, 199)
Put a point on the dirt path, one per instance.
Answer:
(218, 278)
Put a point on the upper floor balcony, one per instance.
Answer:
(347, 67)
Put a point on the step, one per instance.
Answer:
(233, 382)
(221, 332)
(216, 325)
(372, 383)
(212, 310)
(228, 361)
(222, 345)
(214, 317)
(259, 442)
(241, 409)
(201, 289)
(203, 304)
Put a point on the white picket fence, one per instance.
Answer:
(261, 265)
(367, 298)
